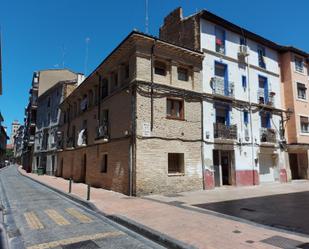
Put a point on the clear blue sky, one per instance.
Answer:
(36, 31)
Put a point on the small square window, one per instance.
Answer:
(183, 74)
(301, 91)
(175, 163)
(299, 64)
(174, 109)
(104, 161)
(304, 124)
(160, 68)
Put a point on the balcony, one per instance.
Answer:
(262, 97)
(268, 135)
(219, 87)
(70, 142)
(223, 131)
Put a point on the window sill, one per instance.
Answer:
(175, 174)
(175, 118)
(302, 100)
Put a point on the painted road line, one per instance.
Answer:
(69, 241)
(33, 221)
(56, 217)
(78, 215)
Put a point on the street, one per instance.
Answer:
(40, 218)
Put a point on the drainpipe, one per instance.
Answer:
(132, 148)
(151, 95)
(251, 127)
(202, 143)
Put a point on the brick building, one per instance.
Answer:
(48, 116)
(134, 125)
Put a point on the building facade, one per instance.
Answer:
(242, 126)
(14, 127)
(41, 82)
(294, 71)
(18, 143)
(134, 125)
(48, 116)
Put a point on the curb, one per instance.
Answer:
(145, 231)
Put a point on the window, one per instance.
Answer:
(160, 68)
(104, 163)
(104, 88)
(299, 65)
(261, 56)
(304, 124)
(244, 81)
(175, 163)
(183, 74)
(115, 79)
(265, 120)
(174, 109)
(220, 40)
(126, 71)
(301, 91)
(48, 102)
(242, 41)
(84, 103)
(246, 118)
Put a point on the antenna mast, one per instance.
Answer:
(86, 55)
(146, 17)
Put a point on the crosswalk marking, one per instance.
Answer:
(75, 240)
(78, 215)
(33, 221)
(56, 217)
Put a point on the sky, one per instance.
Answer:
(43, 34)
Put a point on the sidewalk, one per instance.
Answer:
(201, 230)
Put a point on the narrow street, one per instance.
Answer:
(39, 218)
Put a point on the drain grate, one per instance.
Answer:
(282, 242)
(87, 244)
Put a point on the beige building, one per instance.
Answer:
(134, 125)
(295, 83)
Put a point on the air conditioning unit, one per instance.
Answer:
(243, 50)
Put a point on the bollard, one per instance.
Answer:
(88, 192)
(70, 185)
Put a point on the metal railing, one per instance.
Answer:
(225, 131)
(219, 87)
(268, 135)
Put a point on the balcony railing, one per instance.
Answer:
(219, 87)
(262, 97)
(268, 135)
(225, 131)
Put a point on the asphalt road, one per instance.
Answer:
(39, 218)
(284, 211)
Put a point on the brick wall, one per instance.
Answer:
(180, 31)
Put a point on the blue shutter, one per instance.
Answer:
(244, 81)
(266, 90)
(246, 117)
(227, 116)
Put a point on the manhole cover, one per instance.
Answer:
(88, 244)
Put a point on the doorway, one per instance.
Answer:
(222, 161)
(83, 169)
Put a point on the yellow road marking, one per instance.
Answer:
(56, 217)
(78, 215)
(75, 240)
(33, 221)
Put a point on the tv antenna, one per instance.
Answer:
(86, 55)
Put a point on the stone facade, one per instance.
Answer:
(116, 130)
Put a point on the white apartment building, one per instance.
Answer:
(242, 110)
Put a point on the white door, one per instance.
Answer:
(266, 164)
